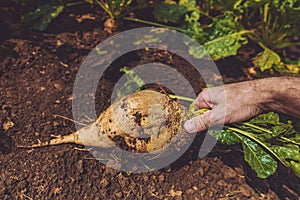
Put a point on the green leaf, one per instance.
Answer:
(190, 4)
(264, 138)
(266, 60)
(286, 129)
(118, 6)
(115, 8)
(259, 160)
(269, 60)
(289, 61)
(197, 51)
(284, 68)
(227, 45)
(193, 27)
(229, 5)
(289, 154)
(285, 5)
(277, 138)
(132, 77)
(295, 167)
(225, 136)
(42, 16)
(134, 83)
(166, 13)
(225, 37)
(266, 119)
(286, 152)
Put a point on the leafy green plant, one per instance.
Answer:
(228, 25)
(265, 139)
(44, 12)
(270, 61)
(274, 25)
(225, 37)
(220, 38)
(275, 22)
(133, 83)
(115, 8)
(43, 15)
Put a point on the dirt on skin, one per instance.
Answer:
(37, 76)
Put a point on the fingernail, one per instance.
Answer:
(190, 127)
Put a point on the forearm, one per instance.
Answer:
(282, 94)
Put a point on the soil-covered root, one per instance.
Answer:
(145, 121)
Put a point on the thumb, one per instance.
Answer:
(198, 124)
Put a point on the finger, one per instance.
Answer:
(203, 100)
(198, 124)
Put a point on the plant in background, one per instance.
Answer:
(222, 27)
(274, 24)
(41, 13)
(40, 18)
(45, 11)
(115, 8)
(133, 83)
(221, 36)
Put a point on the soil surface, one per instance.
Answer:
(38, 71)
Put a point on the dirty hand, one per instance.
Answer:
(229, 104)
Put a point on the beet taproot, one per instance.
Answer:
(145, 121)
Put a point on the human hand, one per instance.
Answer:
(229, 104)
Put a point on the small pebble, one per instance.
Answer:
(146, 178)
(119, 194)
(190, 191)
(57, 86)
(202, 192)
(104, 182)
(7, 125)
(245, 191)
(161, 178)
(229, 173)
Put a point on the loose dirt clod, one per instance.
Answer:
(144, 121)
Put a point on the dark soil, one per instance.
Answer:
(37, 73)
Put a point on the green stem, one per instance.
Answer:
(263, 24)
(230, 35)
(257, 127)
(154, 24)
(181, 98)
(250, 136)
(201, 111)
(75, 3)
(290, 141)
(132, 9)
(103, 6)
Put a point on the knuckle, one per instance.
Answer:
(201, 124)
